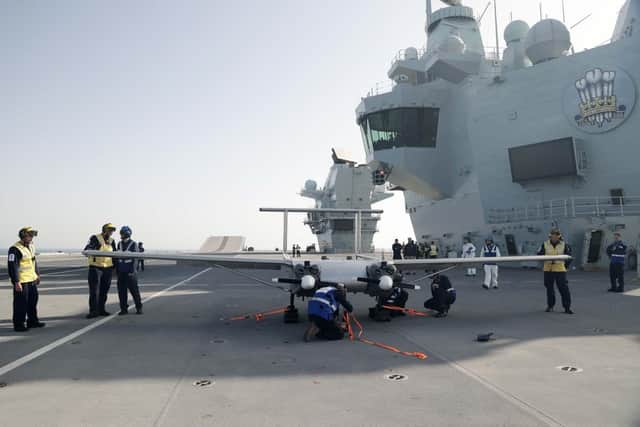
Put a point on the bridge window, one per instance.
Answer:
(400, 127)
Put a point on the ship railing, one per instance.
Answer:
(381, 88)
(493, 53)
(402, 55)
(573, 207)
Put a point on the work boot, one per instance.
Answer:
(311, 332)
(20, 328)
(35, 324)
(611, 290)
(139, 310)
(105, 313)
(549, 309)
(91, 315)
(441, 314)
(619, 290)
(568, 311)
(123, 312)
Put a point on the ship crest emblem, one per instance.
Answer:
(599, 104)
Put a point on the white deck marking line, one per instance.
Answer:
(66, 288)
(47, 348)
(535, 412)
(53, 273)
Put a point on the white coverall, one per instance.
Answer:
(491, 270)
(469, 251)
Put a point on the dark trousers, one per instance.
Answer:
(329, 329)
(25, 305)
(99, 284)
(401, 300)
(141, 264)
(560, 280)
(441, 305)
(616, 274)
(128, 283)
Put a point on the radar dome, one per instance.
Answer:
(453, 44)
(411, 53)
(310, 185)
(548, 39)
(516, 31)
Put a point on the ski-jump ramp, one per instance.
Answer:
(223, 244)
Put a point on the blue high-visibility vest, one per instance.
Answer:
(323, 304)
(490, 252)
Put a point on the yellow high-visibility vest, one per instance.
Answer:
(105, 246)
(433, 250)
(27, 269)
(554, 266)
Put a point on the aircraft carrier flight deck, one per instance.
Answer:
(184, 362)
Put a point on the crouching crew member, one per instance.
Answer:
(100, 271)
(556, 271)
(323, 313)
(25, 277)
(398, 298)
(443, 295)
(617, 252)
(490, 250)
(126, 270)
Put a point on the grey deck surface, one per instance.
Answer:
(140, 370)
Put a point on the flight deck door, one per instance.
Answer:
(593, 246)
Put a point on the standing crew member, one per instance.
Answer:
(433, 250)
(25, 277)
(410, 249)
(397, 250)
(323, 312)
(617, 252)
(126, 270)
(100, 271)
(490, 250)
(556, 271)
(140, 261)
(443, 295)
(469, 251)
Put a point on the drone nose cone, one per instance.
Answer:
(385, 283)
(308, 282)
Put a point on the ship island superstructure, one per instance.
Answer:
(348, 186)
(510, 144)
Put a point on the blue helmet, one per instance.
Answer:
(125, 231)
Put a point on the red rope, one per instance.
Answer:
(364, 340)
(259, 316)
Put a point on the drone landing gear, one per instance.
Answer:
(378, 313)
(291, 313)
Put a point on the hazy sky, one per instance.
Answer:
(181, 119)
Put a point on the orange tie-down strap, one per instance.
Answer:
(409, 311)
(361, 338)
(260, 316)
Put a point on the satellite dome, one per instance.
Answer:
(548, 39)
(516, 31)
(310, 185)
(411, 53)
(453, 44)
